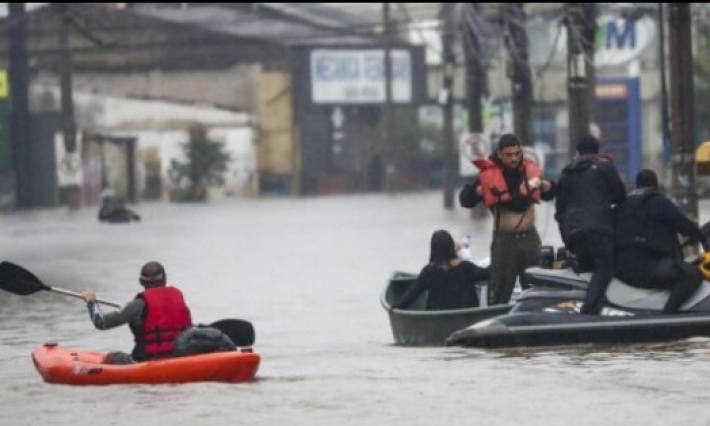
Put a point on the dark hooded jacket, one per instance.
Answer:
(647, 227)
(586, 191)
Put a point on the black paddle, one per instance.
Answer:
(18, 280)
(241, 332)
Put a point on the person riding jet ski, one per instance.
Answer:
(647, 251)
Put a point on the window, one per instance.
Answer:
(544, 128)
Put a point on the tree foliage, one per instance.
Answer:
(412, 141)
(206, 163)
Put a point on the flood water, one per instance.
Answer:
(308, 273)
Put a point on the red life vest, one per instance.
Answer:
(166, 316)
(495, 189)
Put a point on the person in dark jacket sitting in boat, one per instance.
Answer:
(648, 253)
(156, 316)
(451, 281)
(113, 210)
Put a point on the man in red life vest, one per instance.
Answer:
(156, 317)
(510, 186)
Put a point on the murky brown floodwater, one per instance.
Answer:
(308, 273)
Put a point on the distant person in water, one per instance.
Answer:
(450, 280)
(114, 210)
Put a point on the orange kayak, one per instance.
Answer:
(69, 366)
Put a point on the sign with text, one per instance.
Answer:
(617, 41)
(358, 76)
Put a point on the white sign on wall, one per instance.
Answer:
(69, 168)
(357, 76)
(618, 41)
(472, 146)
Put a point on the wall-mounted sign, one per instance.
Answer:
(618, 41)
(357, 76)
(472, 146)
(69, 169)
(3, 84)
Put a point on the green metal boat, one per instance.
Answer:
(416, 326)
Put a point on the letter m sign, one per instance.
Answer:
(621, 34)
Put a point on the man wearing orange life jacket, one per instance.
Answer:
(509, 186)
(156, 317)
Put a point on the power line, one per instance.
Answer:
(472, 21)
(428, 45)
(214, 23)
(211, 37)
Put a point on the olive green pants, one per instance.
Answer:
(511, 254)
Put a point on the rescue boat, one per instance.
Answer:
(415, 326)
(63, 365)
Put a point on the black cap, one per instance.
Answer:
(646, 178)
(588, 144)
(152, 273)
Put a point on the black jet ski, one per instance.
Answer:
(548, 314)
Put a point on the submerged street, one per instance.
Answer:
(308, 273)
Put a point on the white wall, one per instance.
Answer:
(163, 125)
(238, 143)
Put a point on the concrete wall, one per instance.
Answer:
(233, 88)
(159, 128)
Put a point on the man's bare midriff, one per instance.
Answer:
(513, 222)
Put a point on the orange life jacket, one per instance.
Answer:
(495, 189)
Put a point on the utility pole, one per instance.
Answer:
(19, 104)
(387, 149)
(518, 70)
(448, 62)
(665, 114)
(472, 29)
(682, 109)
(589, 32)
(476, 78)
(67, 102)
(579, 85)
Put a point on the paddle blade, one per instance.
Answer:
(18, 280)
(241, 332)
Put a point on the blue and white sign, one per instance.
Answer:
(618, 41)
(358, 76)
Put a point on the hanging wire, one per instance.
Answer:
(408, 17)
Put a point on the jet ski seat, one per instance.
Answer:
(618, 294)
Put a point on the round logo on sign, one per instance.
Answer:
(69, 164)
(475, 145)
